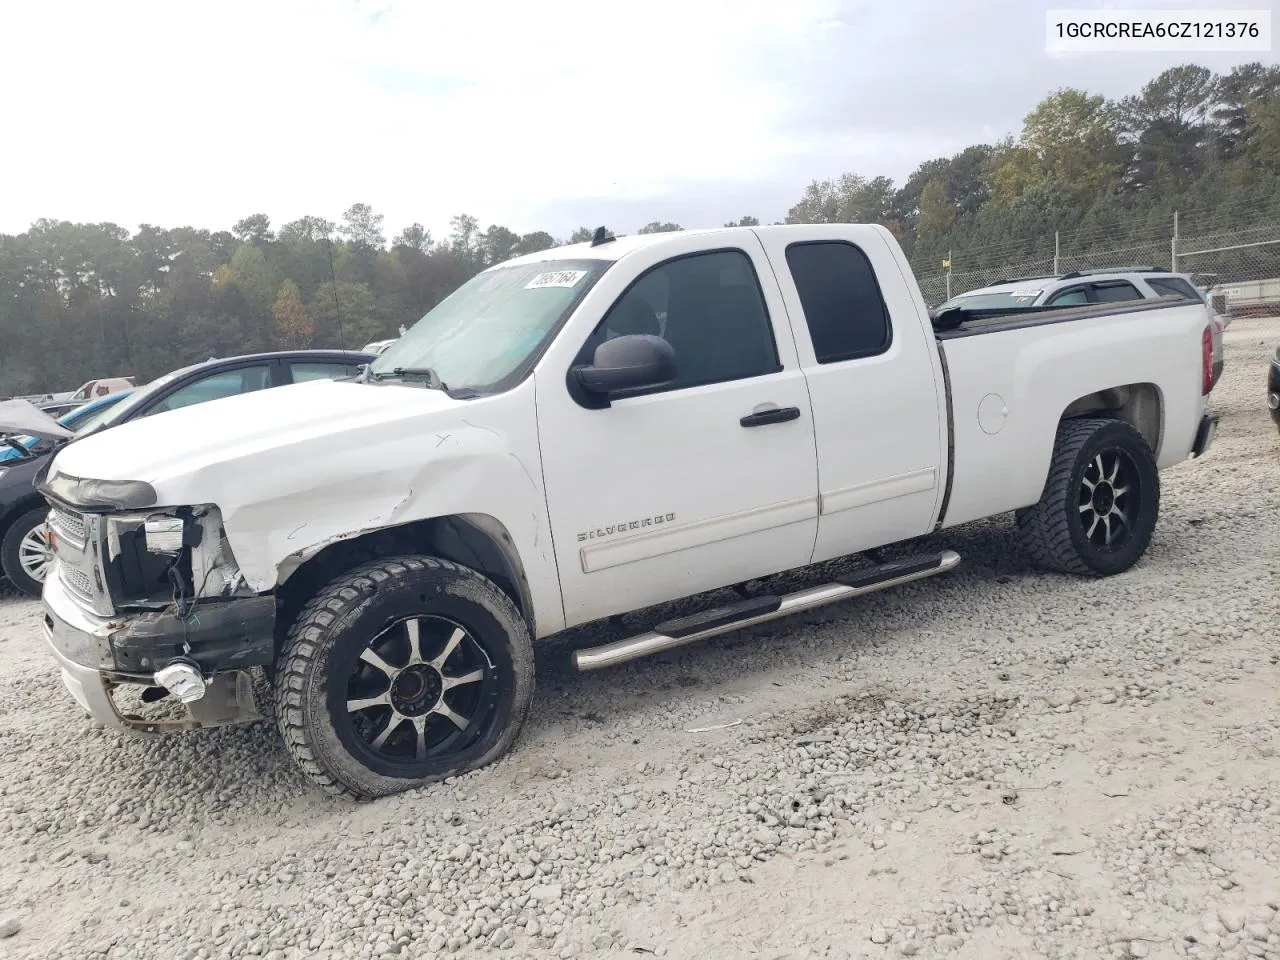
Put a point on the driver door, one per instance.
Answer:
(704, 482)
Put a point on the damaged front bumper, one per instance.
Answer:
(220, 639)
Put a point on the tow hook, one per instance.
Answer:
(183, 679)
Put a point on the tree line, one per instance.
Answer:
(79, 301)
(1111, 171)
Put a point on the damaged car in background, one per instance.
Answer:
(25, 554)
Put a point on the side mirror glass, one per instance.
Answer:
(628, 363)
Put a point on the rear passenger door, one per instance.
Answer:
(879, 412)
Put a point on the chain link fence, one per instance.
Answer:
(1232, 255)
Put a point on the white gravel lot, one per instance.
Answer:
(996, 763)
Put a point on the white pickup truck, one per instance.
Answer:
(581, 433)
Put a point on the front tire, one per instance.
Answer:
(25, 553)
(401, 673)
(1100, 502)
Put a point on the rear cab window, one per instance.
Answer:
(844, 309)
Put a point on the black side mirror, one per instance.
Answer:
(628, 363)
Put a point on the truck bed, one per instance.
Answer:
(1011, 375)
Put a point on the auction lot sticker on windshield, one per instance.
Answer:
(560, 278)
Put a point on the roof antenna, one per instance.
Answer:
(601, 236)
(337, 307)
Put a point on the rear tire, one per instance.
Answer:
(1100, 502)
(25, 555)
(401, 673)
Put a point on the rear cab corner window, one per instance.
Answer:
(709, 306)
(843, 306)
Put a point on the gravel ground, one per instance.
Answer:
(996, 763)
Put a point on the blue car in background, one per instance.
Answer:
(25, 556)
(84, 417)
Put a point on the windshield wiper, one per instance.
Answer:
(403, 373)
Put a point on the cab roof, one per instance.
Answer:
(616, 248)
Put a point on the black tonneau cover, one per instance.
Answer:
(961, 322)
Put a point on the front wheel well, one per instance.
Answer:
(477, 541)
(1137, 404)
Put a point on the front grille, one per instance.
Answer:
(77, 582)
(68, 525)
(76, 540)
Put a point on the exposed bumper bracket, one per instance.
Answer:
(90, 652)
(1204, 435)
(228, 700)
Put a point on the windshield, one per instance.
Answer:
(993, 301)
(487, 329)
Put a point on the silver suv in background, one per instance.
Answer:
(1112, 285)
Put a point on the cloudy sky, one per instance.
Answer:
(545, 115)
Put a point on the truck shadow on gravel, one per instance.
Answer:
(229, 775)
(228, 769)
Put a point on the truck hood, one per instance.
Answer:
(244, 429)
(21, 417)
(293, 469)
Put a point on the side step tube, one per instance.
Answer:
(677, 633)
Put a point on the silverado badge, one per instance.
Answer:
(626, 526)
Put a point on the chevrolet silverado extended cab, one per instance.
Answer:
(581, 433)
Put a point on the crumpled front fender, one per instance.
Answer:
(286, 504)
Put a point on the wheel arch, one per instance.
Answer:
(475, 540)
(1141, 405)
(1051, 529)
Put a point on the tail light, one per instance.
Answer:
(1206, 362)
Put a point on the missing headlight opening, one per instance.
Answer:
(177, 556)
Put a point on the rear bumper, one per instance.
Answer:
(1204, 435)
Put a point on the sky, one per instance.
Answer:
(547, 115)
